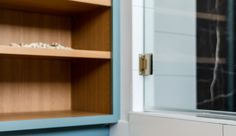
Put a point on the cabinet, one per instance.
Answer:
(88, 131)
(51, 87)
(165, 126)
(229, 130)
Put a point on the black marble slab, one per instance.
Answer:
(216, 55)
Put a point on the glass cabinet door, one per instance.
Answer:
(192, 42)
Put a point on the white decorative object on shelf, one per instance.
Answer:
(15, 45)
(41, 45)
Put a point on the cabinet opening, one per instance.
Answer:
(87, 31)
(55, 83)
(53, 88)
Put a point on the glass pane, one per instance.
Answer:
(192, 42)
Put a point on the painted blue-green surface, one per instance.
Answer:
(116, 58)
(82, 131)
(230, 53)
(7, 126)
(57, 122)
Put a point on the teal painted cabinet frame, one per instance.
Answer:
(6, 126)
(101, 130)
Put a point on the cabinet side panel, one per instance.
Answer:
(92, 31)
(91, 86)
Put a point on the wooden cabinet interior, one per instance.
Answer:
(52, 87)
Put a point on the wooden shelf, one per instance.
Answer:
(5, 50)
(56, 6)
(97, 2)
(44, 115)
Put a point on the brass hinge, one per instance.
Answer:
(145, 64)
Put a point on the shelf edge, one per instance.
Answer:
(40, 52)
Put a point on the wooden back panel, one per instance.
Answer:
(34, 85)
(23, 27)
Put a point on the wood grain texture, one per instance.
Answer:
(98, 2)
(23, 27)
(55, 6)
(43, 87)
(43, 115)
(58, 53)
(34, 85)
(92, 31)
(39, 85)
(91, 86)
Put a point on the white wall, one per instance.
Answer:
(229, 130)
(126, 62)
(131, 47)
(179, 124)
(146, 125)
(121, 129)
(137, 49)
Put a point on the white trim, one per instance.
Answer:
(185, 116)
